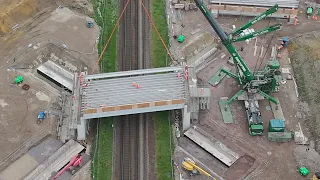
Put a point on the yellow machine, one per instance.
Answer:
(190, 166)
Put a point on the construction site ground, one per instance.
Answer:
(45, 32)
(260, 159)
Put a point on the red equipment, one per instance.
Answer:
(75, 161)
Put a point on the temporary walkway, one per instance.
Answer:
(214, 147)
(132, 92)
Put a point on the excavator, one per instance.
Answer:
(189, 165)
(255, 85)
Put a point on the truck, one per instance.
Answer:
(41, 116)
(254, 117)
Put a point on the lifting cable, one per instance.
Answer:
(264, 38)
(154, 26)
(267, 49)
(114, 28)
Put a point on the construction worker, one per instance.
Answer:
(295, 22)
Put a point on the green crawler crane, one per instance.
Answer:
(255, 85)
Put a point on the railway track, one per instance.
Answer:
(133, 130)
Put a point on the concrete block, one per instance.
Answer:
(214, 7)
(186, 6)
(186, 118)
(178, 6)
(254, 9)
(287, 11)
(280, 11)
(220, 7)
(232, 8)
(261, 10)
(247, 9)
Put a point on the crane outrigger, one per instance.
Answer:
(255, 85)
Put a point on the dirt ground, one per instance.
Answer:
(44, 33)
(260, 159)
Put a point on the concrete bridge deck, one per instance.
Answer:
(113, 94)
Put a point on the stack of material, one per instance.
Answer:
(221, 9)
(184, 5)
(261, 3)
(299, 137)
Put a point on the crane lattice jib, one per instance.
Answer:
(255, 20)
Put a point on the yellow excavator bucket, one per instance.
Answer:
(187, 166)
(190, 165)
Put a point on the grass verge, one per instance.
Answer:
(163, 150)
(158, 52)
(106, 15)
(162, 126)
(102, 166)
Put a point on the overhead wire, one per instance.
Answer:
(116, 25)
(154, 26)
(258, 58)
(113, 30)
(262, 60)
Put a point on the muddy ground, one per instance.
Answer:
(45, 32)
(260, 158)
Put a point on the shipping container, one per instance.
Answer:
(276, 125)
(280, 136)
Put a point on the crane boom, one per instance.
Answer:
(226, 42)
(255, 20)
(214, 25)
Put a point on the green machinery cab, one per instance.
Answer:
(181, 39)
(309, 11)
(256, 129)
